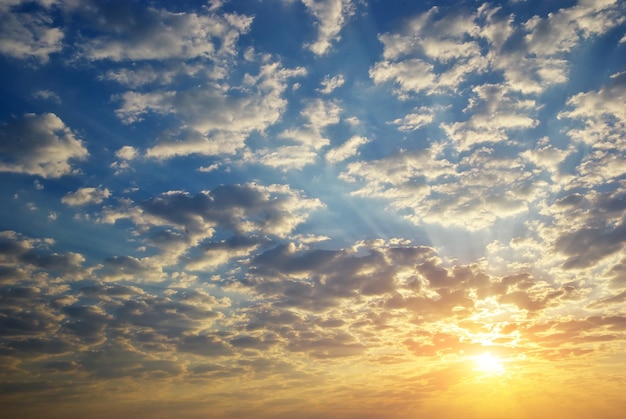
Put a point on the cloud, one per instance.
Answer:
(86, 196)
(603, 125)
(345, 150)
(413, 121)
(39, 145)
(26, 35)
(212, 120)
(25, 259)
(309, 138)
(531, 55)
(331, 16)
(429, 188)
(130, 33)
(329, 84)
(176, 221)
(47, 95)
(494, 113)
(429, 40)
(220, 253)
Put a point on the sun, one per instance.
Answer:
(489, 364)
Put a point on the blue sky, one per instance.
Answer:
(312, 207)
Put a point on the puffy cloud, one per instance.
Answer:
(331, 83)
(346, 150)
(125, 155)
(129, 268)
(429, 40)
(494, 112)
(26, 259)
(309, 138)
(321, 114)
(547, 157)
(86, 196)
(158, 75)
(413, 121)
(531, 56)
(331, 15)
(427, 187)
(286, 157)
(603, 128)
(222, 252)
(177, 221)
(27, 35)
(47, 95)
(131, 33)
(212, 121)
(411, 75)
(39, 145)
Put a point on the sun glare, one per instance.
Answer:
(489, 364)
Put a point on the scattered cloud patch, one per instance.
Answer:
(39, 145)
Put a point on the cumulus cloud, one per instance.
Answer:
(494, 113)
(177, 221)
(531, 56)
(331, 16)
(219, 253)
(212, 121)
(47, 95)
(331, 83)
(27, 35)
(39, 145)
(346, 150)
(428, 187)
(86, 196)
(131, 33)
(309, 138)
(29, 261)
(411, 53)
(410, 122)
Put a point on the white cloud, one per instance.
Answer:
(603, 127)
(160, 75)
(39, 145)
(428, 188)
(129, 268)
(534, 58)
(213, 121)
(413, 75)
(413, 121)
(86, 196)
(309, 138)
(494, 112)
(242, 209)
(426, 42)
(346, 150)
(284, 157)
(127, 153)
(47, 95)
(322, 113)
(331, 15)
(329, 84)
(157, 34)
(547, 156)
(28, 35)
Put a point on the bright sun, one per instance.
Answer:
(489, 364)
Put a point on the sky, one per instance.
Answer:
(312, 208)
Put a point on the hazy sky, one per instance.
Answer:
(312, 208)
